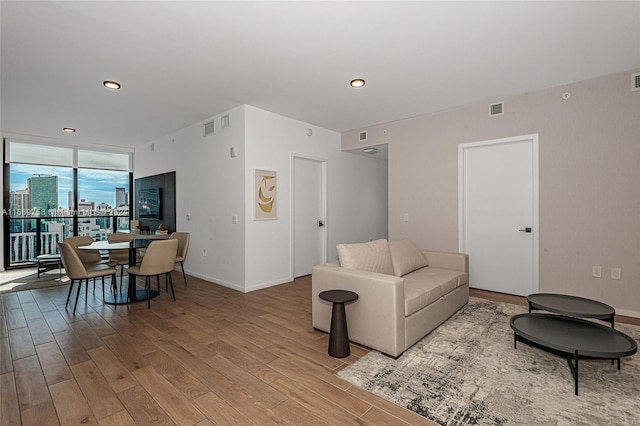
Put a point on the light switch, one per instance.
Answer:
(406, 217)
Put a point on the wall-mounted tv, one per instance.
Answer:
(149, 203)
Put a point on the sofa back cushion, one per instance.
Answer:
(373, 256)
(406, 257)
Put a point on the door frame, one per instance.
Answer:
(461, 194)
(323, 190)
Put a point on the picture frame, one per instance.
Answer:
(265, 194)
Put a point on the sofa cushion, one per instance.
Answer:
(426, 285)
(373, 256)
(406, 257)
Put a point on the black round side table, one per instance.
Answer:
(338, 336)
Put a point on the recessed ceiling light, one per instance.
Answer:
(370, 150)
(358, 82)
(69, 129)
(111, 84)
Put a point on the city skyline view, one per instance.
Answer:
(97, 186)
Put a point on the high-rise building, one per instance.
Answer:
(43, 190)
(19, 206)
(122, 197)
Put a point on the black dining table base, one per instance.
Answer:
(121, 298)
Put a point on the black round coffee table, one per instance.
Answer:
(571, 338)
(339, 335)
(572, 306)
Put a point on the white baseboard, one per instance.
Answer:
(236, 286)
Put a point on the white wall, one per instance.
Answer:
(589, 157)
(356, 186)
(212, 187)
(209, 186)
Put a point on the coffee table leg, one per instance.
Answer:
(339, 335)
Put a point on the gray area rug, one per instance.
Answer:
(27, 279)
(466, 372)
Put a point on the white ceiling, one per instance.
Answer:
(182, 62)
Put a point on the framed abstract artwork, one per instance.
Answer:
(265, 198)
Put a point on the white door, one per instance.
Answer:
(308, 215)
(499, 213)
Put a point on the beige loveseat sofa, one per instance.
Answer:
(404, 293)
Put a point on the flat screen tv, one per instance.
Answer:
(149, 203)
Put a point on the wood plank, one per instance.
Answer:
(71, 346)
(55, 321)
(42, 300)
(187, 384)
(313, 402)
(6, 363)
(236, 396)
(336, 395)
(54, 366)
(15, 319)
(43, 414)
(21, 343)
(114, 372)
(121, 418)
(142, 408)
(221, 412)
(30, 383)
(100, 397)
(9, 408)
(98, 324)
(88, 338)
(125, 352)
(70, 403)
(245, 361)
(40, 332)
(179, 408)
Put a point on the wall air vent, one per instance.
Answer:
(362, 137)
(635, 82)
(496, 109)
(209, 128)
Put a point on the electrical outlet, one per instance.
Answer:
(596, 271)
(615, 273)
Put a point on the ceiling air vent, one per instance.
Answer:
(209, 128)
(635, 82)
(496, 109)
(362, 137)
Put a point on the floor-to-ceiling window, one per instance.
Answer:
(52, 192)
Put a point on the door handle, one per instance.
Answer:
(525, 230)
(320, 223)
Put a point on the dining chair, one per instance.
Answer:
(159, 259)
(77, 271)
(183, 247)
(121, 257)
(87, 257)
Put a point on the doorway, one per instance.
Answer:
(309, 214)
(498, 213)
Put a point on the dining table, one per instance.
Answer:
(132, 294)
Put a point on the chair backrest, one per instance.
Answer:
(183, 244)
(71, 261)
(86, 256)
(159, 258)
(120, 237)
(120, 256)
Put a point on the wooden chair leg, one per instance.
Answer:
(69, 295)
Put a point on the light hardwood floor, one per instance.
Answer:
(215, 356)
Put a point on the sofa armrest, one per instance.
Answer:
(376, 319)
(447, 260)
